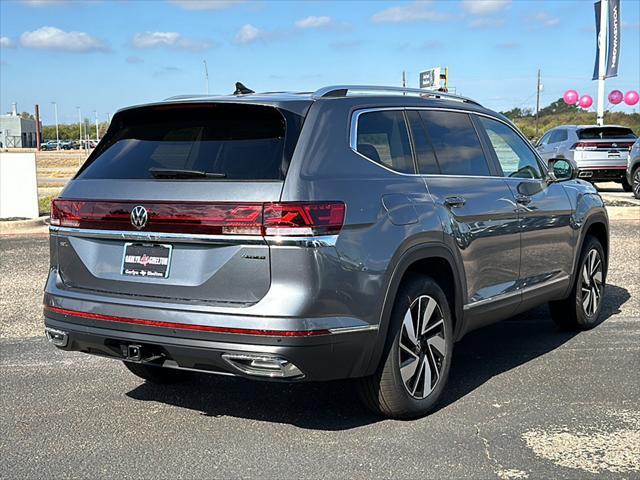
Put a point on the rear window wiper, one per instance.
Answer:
(180, 173)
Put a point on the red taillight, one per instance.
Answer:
(286, 219)
(203, 218)
(597, 145)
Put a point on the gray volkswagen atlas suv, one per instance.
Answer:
(353, 232)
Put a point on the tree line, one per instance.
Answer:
(559, 113)
(71, 131)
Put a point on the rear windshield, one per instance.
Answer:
(601, 133)
(217, 141)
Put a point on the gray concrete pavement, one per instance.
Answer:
(523, 401)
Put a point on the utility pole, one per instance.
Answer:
(404, 81)
(206, 76)
(602, 57)
(55, 109)
(538, 88)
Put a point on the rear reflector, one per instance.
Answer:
(184, 326)
(283, 219)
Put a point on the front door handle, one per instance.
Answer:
(523, 199)
(455, 201)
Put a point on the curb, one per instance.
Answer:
(24, 226)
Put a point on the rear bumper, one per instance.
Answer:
(602, 173)
(328, 355)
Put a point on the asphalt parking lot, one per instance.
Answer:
(524, 401)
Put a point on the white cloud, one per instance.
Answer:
(417, 11)
(486, 23)
(484, 7)
(43, 3)
(52, 38)
(6, 42)
(250, 34)
(546, 20)
(314, 22)
(205, 4)
(631, 25)
(175, 40)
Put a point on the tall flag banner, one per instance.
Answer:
(613, 47)
(596, 6)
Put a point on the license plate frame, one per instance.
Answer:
(136, 266)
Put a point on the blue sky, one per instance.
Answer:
(104, 55)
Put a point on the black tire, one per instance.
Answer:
(387, 392)
(571, 313)
(626, 186)
(159, 375)
(635, 177)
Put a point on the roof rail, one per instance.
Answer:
(343, 90)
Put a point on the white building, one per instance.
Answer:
(17, 132)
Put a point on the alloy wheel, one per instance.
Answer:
(423, 347)
(636, 183)
(592, 282)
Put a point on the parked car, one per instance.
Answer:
(354, 232)
(598, 152)
(49, 145)
(633, 168)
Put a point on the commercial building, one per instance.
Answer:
(17, 132)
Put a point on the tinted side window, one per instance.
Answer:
(424, 150)
(382, 137)
(515, 157)
(558, 136)
(457, 147)
(545, 139)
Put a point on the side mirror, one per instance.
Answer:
(562, 169)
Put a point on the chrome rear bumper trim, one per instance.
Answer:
(308, 242)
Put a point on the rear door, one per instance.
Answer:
(169, 206)
(477, 210)
(544, 209)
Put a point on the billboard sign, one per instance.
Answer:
(430, 78)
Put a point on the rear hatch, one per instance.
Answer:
(599, 147)
(170, 204)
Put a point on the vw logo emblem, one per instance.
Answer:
(139, 217)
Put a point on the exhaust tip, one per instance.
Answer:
(262, 365)
(57, 337)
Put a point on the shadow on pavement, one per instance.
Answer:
(332, 406)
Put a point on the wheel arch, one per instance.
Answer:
(423, 259)
(596, 225)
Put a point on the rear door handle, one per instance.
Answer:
(455, 201)
(523, 199)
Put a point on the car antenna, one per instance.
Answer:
(242, 90)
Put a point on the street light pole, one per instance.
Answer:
(79, 125)
(55, 109)
(602, 58)
(96, 114)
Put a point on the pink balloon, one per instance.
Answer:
(585, 101)
(616, 97)
(570, 97)
(631, 97)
